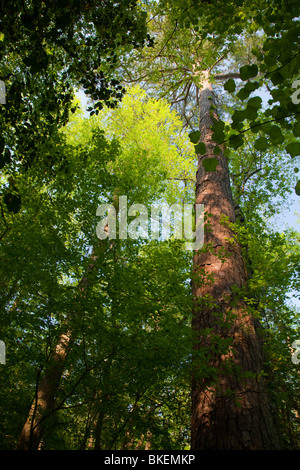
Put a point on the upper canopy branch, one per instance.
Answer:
(227, 76)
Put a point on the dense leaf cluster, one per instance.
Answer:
(126, 379)
(48, 50)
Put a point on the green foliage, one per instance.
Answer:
(247, 89)
(126, 382)
(293, 148)
(248, 71)
(132, 336)
(47, 51)
(230, 85)
(276, 65)
(210, 164)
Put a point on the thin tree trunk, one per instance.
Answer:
(43, 402)
(47, 388)
(96, 432)
(230, 403)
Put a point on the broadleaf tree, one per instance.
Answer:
(109, 306)
(104, 336)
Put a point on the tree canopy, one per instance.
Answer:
(110, 320)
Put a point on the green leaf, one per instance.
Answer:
(218, 126)
(270, 57)
(248, 71)
(237, 125)
(13, 202)
(195, 137)
(235, 141)
(210, 164)
(218, 132)
(276, 78)
(251, 113)
(275, 134)
(293, 149)
(200, 148)
(297, 188)
(256, 126)
(230, 85)
(256, 51)
(247, 90)
(296, 129)
(254, 102)
(239, 115)
(261, 143)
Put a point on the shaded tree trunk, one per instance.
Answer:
(231, 408)
(44, 399)
(47, 387)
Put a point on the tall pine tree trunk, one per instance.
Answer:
(231, 409)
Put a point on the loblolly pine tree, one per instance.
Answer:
(231, 407)
(230, 401)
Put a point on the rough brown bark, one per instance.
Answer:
(231, 409)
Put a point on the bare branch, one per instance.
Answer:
(226, 76)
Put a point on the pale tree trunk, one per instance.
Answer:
(46, 390)
(231, 409)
